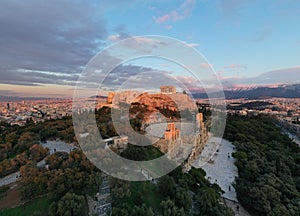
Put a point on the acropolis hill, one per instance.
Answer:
(180, 136)
(168, 98)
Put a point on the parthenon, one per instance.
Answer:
(167, 89)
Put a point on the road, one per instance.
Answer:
(54, 146)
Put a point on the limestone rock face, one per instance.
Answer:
(154, 101)
(110, 97)
(174, 102)
(122, 97)
(183, 101)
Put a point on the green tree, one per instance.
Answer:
(69, 205)
(183, 198)
(206, 198)
(168, 208)
(142, 210)
(166, 186)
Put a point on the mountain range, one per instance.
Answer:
(284, 91)
(17, 99)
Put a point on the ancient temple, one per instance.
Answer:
(167, 89)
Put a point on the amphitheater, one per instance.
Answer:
(186, 148)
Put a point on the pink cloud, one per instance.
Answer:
(176, 16)
(192, 44)
(169, 27)
(113, 38)
(190, 36)
(165, 65)
(235, 66)
(205, 65)
(181, 13)
(162, 19)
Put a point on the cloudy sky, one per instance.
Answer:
(44, 45)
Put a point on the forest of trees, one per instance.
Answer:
(177, 193)
(67, 180)
(15, 139)
(268, 165)
(21, 144)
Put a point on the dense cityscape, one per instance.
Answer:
(287, 109)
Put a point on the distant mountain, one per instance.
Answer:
(288, 91)
(258, 105)
(253, 93)
(16, 99)
(99, 97)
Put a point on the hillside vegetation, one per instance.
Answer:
(268, 164)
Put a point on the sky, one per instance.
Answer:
(45, 45)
